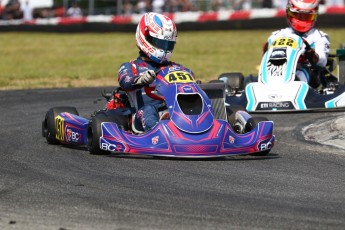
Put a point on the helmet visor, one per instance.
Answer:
(302, 15)
(161, 44)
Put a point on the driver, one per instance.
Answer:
(301, 17)
(156, 38)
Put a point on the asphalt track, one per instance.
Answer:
(299, 185)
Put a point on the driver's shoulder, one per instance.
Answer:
(279, 33)
(316, 34)
(282, 32)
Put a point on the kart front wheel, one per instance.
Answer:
(48, 124)
(253, 122)
(94, 131)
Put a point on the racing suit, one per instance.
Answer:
(147, 114)
(319, 41)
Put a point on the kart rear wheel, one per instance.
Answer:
(233, 82)
(49, 126)
(95, 130)
(251, 124)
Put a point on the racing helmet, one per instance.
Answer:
(302, 14)
(156, 36)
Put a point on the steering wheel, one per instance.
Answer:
(148, 91)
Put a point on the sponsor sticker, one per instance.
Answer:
(155, 140)
(116, 147)
(72, 136)
(231, 139)
(59, 127)
(274, 96)
(281, 105)
(265, 145)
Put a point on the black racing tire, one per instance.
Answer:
(94, 130)
(231, 112)
(249, 79)
(234, 81)
(216, 81)
(251, 124)
(93, 134)
(48, 124)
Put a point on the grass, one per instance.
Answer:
(48, 60)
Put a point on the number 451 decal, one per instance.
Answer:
(179, 76)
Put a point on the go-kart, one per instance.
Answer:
(194, 123)
(276, 89)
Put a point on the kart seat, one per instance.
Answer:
(216, 92)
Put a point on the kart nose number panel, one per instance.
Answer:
(289, 97)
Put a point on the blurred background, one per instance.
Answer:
(89, 39)
(31, 9)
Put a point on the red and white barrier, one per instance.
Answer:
(178, 17)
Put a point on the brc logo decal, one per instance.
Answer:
(179, 77)
(59, 127)
(174, 68)
(112, 147)
(108, 147)
(73, 136)
(265, 145)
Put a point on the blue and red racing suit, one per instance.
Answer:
(147, 114)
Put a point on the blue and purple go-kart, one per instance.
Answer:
(195, 123)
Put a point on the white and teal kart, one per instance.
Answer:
(276, 89)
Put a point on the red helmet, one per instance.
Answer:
(302, 14)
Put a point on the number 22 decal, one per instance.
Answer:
(283, 42)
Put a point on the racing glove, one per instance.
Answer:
(145, 78)
(312, 56)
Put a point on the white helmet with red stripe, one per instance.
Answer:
(156, 36)
(302, 14)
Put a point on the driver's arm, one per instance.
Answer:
(130, 78)
(126, 75)
(322, 50)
